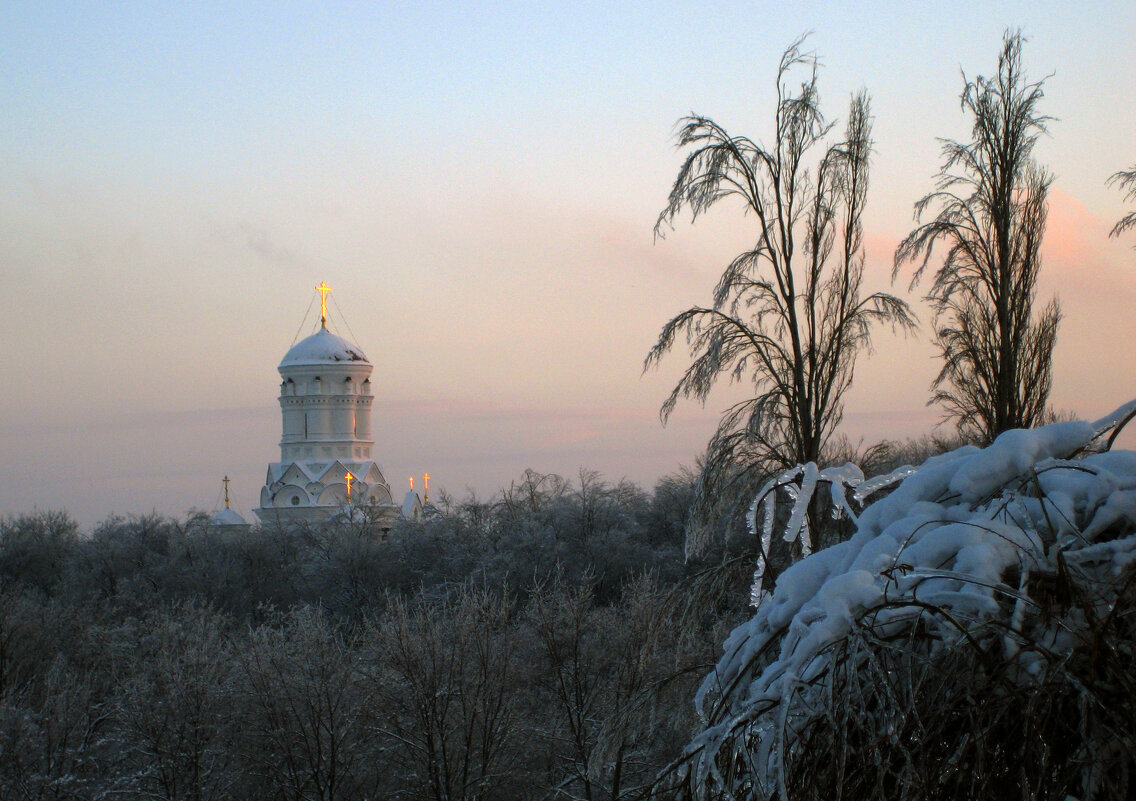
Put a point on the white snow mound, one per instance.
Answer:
(961, 534)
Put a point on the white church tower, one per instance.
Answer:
(326, 462)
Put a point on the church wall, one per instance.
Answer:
(319, 422)
(293, 423)
(363, 418)
(342, 419)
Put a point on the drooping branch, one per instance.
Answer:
(1126, 182)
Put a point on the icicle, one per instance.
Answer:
(878, 483)
(767, 523)
(767, 501)
(767, 498)
(841, 479)
(1111, 420)
(801, 499)
(1011, 645)
(756, 593)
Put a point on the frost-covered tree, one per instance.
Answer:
(173, 707)
(787, 316)
(609, 679)
(446, 689)
(305, 731)
(990, 198)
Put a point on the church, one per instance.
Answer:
(326, 466)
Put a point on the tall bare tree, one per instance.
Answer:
(990, 198)
(1126, 180)
(787, 314)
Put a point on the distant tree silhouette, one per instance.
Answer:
(787, 314)
(991, 212)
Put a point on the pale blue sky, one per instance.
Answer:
(479, 183)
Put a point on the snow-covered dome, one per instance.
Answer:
(227, 517)
(323, 347)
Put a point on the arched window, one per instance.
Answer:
(295, 500)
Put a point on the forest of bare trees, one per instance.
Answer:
(545, 649)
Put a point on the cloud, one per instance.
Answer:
(247, 236)
(1074, 236)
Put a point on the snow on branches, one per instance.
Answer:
(978, 547)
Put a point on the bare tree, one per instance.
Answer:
(306, 729)
(445, 681)
(173, 705)
(787, 315)
(615, 677)
(1126, 181)
(991, 202)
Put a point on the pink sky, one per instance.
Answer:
(479, 188)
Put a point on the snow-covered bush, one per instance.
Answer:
(973, 638)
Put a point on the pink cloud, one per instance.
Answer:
(1074, 236)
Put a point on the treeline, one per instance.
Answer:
(544, 644)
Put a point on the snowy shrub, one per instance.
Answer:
(973, 638)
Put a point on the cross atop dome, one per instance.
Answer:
(323, 289)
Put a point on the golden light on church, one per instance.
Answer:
(323, 289)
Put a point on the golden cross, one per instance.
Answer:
(426, 481)
(349, 478)
(323, 289)
(225, 481)
(412, 482)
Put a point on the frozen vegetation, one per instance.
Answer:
(545, 643)
(972, 637)
(960, 628)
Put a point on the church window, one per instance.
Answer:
(295, 500)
